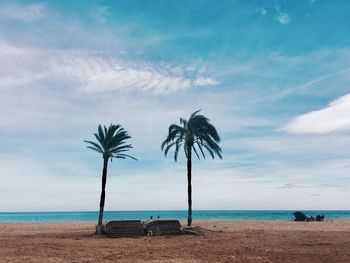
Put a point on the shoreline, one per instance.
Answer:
(87, 216)
(183, 221)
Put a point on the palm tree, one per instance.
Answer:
(195, 134)
(111, 143)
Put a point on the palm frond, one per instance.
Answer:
(168, 148)
(200, 148)
(123, 156)
(111, 141)
(95, 149)
(100, 133)
(176, 152)
(194, 114)
(195, 151)
(100, 140)
(196, 132)
(174, 131)
(212, 145)
(122, 148)
(183, 122)
(209, 150)
(95, 145)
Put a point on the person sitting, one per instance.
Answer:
(320, 218)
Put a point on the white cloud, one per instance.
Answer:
(201, 81)
(13, 11)
(335, 117)
(282, 17)
(93, 72)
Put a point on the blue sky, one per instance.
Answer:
(273, 77)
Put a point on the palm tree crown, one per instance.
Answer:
(196, 133)
(111, 142)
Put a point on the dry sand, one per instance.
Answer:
(220, 241)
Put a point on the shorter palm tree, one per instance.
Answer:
(196, 134)
(111, 143)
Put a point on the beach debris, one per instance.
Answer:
(124, 228)
(161, 227)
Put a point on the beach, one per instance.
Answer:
(218, 241)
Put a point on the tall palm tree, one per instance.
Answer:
(195, 134)
(111, 143)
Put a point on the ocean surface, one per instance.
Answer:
(197, 215)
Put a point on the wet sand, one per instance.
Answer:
(219, 241)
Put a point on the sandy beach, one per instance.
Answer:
(219, 241)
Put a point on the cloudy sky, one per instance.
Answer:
(273, 77)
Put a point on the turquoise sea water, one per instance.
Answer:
(197, 214)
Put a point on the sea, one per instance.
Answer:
(12, 217)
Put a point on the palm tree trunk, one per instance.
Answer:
(189, 186)
(103, 193)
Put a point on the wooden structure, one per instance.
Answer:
(124, 228)
(162, 227)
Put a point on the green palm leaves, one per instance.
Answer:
(111, 142)
(196, 133)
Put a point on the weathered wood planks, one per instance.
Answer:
(124, 228)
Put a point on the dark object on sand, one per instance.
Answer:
(320, 218)
(162, 227)
(300, 216)
(124, 228)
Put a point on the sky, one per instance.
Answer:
(272, 76)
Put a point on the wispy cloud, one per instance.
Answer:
(12, 10)
(289, 185)
(94, 72)
(335, 117)
(282, 17)
(327, 76)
